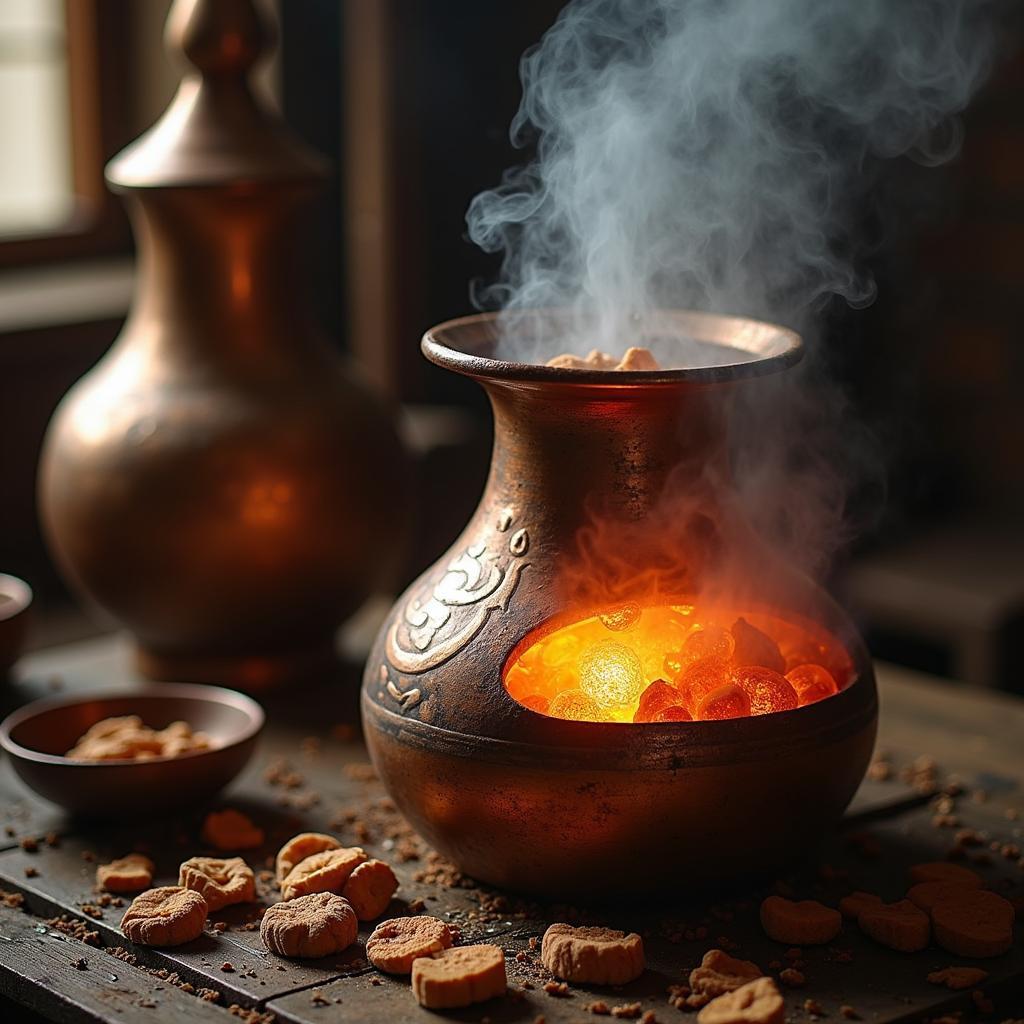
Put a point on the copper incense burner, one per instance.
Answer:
(608, 507)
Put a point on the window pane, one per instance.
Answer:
(36, 186)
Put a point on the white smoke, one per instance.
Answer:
(708, 154)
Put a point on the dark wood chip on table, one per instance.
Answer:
(309, 776)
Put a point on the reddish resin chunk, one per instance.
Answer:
(656, 698)
(536, 702)
(700, 679)
(621, 618)
(812, 683)
(766, 690)
(709, 641)
(673, 713)
(727, 701)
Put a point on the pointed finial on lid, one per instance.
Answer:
(218, 36)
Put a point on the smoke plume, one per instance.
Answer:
(709, 153)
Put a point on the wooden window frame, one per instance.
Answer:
(98, 61)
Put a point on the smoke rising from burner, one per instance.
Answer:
(709, 153)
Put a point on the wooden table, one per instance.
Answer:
(976, 736)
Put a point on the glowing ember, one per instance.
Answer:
(611, 673)
(667, 663)
(812, 682)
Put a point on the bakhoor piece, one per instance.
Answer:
(167, 916)
(369, 889)
(601, 956)
(804, 923)
(220, 882)
(757, 1002)
(231, 830)
(323, 872)
(310, 926)
(974, 923)
(720, 973)
(900, 925)
(395, 944)
(126, 874)
(459, 977)
(299, 847)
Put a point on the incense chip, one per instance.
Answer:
(395, 944)
(600, 956)
(459, 977)
(126, 874)
(168, 916)
(757, 1002)
(310, 926)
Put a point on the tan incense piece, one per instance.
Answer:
(601, 956)
(127, 738)
(395, 944)
(634, 358)
(231, 830)
(299, 847)
(323, 872)
(957, 978)
(126, 874)
(720, 973)
(757, 1002)
(220, 882)
(851, 906)
(900, 925)
(122, 738)
(805, 923)
(459, 977)
(167, 916)
(310, 926)
(638, 359)
(369, 889)
(926, 894)
(974, 923)
(944, 871)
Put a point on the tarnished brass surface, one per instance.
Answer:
(540, 804)
(220, 482)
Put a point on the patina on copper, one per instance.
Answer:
(567, 808)
(221, 482)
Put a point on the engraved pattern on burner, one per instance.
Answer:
(474, 586)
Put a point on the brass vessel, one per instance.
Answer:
(539, 804)
(221, 482)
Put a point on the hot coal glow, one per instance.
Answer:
(676, 662)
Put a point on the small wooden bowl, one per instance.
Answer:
(15, 599)
(37, 736)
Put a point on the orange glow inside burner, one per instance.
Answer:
(672, 663)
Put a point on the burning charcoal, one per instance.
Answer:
(727, 701)
(752, 647)
(621, 618)
(709, 641)
(611, 674)
(812, 683)
(674, 713)
(766, 690)
(656, 698)
(577, 706)
(700, 679)
(536, 702)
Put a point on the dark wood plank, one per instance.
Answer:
(975, 735)
(70, 982)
